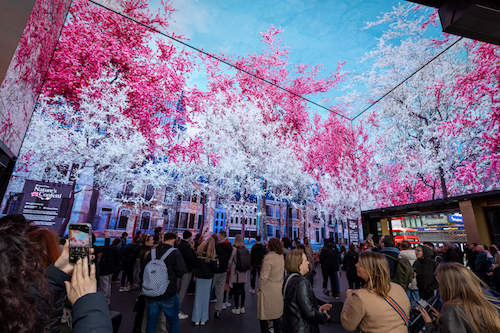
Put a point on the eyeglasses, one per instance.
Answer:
(418, 250)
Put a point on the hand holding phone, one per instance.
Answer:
(79, 241)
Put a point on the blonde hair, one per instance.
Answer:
(207, 248)
(377, 269)
(460, 286)
(238, 241)
(293, 260)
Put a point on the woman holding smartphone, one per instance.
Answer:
(466, 308)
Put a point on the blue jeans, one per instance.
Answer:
(170, 307)
(413, 296)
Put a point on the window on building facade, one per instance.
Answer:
(294, 214)
(186, 197)
(278, 211)
(183, 221)
(191, 221)
(269, 210)
(168, 198)
(150, 192)
(270, 230)
(129, 187)
(194, 198)
(236, 220)
(203, 198)
(145, 220)
(176, 222)
(123, 220)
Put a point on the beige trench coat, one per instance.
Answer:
(269, 294)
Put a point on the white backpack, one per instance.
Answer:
(155, 280)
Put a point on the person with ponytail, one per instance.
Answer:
(467, 304)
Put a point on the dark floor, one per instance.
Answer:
(245, 323)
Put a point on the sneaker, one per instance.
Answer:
(252, 291)
(122, 289)
(197, 323)
(228, 305)
(236, 311)
(224, 306)
(216, 315)
(202, 323)
(182, 315)
(271, 329)
(213, 300)
(242, 309)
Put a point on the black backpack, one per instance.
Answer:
(243, 262)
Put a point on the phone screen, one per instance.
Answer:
(79, 241)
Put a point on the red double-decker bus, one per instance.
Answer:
(405, 234)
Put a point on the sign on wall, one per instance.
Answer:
(353, 231)
(46, 204)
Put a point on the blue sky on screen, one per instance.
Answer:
(317, 32)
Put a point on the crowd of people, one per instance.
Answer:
(385, 281)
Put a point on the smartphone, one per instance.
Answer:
(418, 305)
(370, 236)
(79, 241)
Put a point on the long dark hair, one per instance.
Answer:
(20, 273)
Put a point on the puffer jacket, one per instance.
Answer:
(301, 311)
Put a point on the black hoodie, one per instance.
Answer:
(425, 267)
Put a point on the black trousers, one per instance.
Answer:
(333, 280)
(239, 291)
(354, 283)
(264, 326)
(128, 272)
(253, 275)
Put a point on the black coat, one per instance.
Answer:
(425, 267)
(451, 256)
(129, 253)
(471, 260)
(350, 261)
(109, 260)
(205, 270)
(329, 258)
(90, 312)
(300, 311)
(188, 255)
(257, 254)
(224, 250)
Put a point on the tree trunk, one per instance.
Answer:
(443, 183)
(93, 208)
(289, 223)
(263, 213)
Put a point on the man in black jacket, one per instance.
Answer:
(190, 259)
(169, 301)
(107, 264)
(450, 255)
(256, 256)
(224, 250)
(330, 260)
